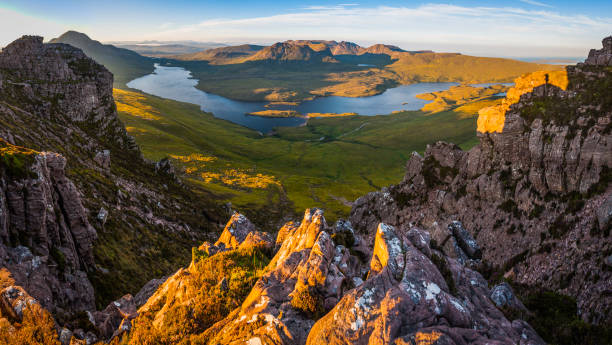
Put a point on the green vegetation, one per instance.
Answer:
(307, 300)
(297, 167)
(202, 300)
(555, 318)
(444, 269)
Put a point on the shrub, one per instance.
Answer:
(307, 300)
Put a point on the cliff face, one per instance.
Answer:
(83, 218)
(535, 194)
(46, 239)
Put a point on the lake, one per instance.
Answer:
(177, 83)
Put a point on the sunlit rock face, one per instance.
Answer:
(533, 193)
(492, 119)
(306, 277)
(406, 298)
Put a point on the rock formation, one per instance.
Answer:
(406, 298)
(530, 193)
(46, 240)
(72, 180)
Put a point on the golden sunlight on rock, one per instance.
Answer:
(491, 119)
(427, 338)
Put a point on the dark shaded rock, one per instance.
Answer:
(465, 241)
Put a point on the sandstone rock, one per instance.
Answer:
(503, 296)
(465, 241)
(602, 57)
(307, 266)
(103, 159)
(47, 208)
(115, 316)
(534, 193)
(406, 299)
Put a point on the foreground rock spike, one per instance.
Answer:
(239, 232)
(308, 268)
(406, 299)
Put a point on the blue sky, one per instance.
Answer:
(492, 28)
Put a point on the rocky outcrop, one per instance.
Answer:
(306, 277)
(530, 194)
(284, 52)
(240, 233)
(603, 56)
(46, 241)
(406, 298)
(70, 174)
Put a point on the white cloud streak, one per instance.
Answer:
(496, 31)
(536, 3)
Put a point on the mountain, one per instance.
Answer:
(222, 55)
(381, 49)
(84, 218)
(292, 52)
(438, 257)
(346, 48)
(125, 64)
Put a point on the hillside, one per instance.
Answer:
(125, 64)
(105, 220)
(300, 70)
(222, 55)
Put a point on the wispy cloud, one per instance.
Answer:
(536, 3)
(431, 26)
(14, 24)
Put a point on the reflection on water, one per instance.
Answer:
(176, 83)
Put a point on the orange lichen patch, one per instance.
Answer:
(132, 103)
(423, 338)
(234, 177)
(491, 119)
(194, 157)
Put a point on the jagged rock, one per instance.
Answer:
(147, 291)
(46, 207)
(110, 320)
(534, 193)
(406, 299)
(14, 300)
(308, 266)
(103, 159)
(65, 336)
(601, 57)
(240, 233)
(164, 166)
(102, 215)
(465, 241)
(503, 296)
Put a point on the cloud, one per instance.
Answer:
(14, 25)
(483, 29)
(536, 3)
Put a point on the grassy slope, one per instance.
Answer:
(317, 165)
(299, 81)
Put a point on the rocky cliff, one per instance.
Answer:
(535, 193)
(83, 218)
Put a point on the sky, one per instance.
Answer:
(511, 28)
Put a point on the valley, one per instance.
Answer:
(301, 192)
